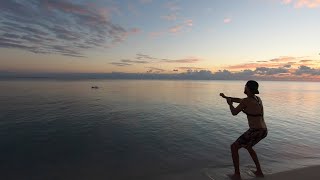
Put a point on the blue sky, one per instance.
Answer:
(160, 36)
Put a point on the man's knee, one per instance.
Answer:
(235, 146)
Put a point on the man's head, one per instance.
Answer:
(251, 87)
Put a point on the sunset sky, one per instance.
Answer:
(276, 37)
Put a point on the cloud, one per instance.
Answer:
(303, 3)
(133, 61)
(287, 66)
(140, 59)
(272, 63)
(8, 44)
(186, 60)
(244, 66)
(8, 40)
(120, 64)
(259, 73)
(282, 68)
(190, 68)
(135, 30)
(170, 17)
(181, 27)
(145, 59)
(175, 29)
(154, 70)
(286, 1)
(270, 71)
(8, 35)
(223, 75)
(43, 25)
(189, 22)
(227, 20)
(307, 70)
(303, 61)
(144, 56)
(306, 62)
(307, 3)
(302, 73)
(283, 59)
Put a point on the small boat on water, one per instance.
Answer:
(94, 87)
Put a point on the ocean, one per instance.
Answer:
(148, 129)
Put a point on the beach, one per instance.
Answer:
(307, 173)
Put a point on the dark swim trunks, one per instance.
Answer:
(251, 137)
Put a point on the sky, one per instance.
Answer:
(269, 38)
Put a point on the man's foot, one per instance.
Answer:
(258, 173)
(234, 176)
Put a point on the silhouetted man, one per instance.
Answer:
(253, 108)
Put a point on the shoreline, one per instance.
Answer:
(305, 173)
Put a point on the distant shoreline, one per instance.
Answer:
(190, 75)
(156, 79)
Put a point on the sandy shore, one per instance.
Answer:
(308, 173)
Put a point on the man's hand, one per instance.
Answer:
(222, 95)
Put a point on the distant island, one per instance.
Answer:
(268, 74)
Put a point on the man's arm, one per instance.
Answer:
(233, 99)
(239, 108)
(237, 100)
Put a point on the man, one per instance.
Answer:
(253, 108)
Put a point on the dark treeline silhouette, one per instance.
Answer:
(260, 73)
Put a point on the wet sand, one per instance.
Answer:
(307, 173)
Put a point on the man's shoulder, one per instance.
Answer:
(244, 100)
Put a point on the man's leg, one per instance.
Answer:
(235, 158)
(255, 159)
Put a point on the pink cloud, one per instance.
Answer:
(135, 31)
(226, 20)
(175, 29)
(307, 3)
(123, 36)
(181, 27)
(303, 3)
(170, 17)
(189, 22)
(275, 63)
(286, 1)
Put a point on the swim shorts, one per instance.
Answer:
(251, 137)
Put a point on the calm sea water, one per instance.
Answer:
(141, 129)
